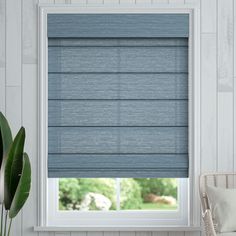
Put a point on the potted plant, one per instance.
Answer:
(15, 174)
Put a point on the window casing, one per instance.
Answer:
(50, 215)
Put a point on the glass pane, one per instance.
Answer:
(148, 194)
(103, 194)
(87, 194)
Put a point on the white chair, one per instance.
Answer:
(223, 180)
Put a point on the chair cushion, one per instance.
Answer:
(223, 207)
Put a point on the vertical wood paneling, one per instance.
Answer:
(234, 62)
(208, 102)
(46, 234)
(13, 107)
(127, 233)
(94, 2)
(143, 234)
(234, 3)
(95, 234)
(160, 234)
(29, 31)
(60, 1)
(62, 233)
(2, 32)
(192, 234)
(225, 131)
(82, 2)
(225, 46)
(127, 2)
(208, 16)
(46, 1)
(176, 234)
(176, 1)
(225, 85)
(143, 2)
(78, 233)
(29, 115)
(2, 90)
(111, 234)
(160, 1)
(13, 43)
(111, 2)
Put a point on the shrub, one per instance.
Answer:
(159, 187)
(72, 191)
(130, 194)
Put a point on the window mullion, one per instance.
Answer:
(118, 194)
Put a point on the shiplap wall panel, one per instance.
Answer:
(111, 2)
(94, 2)
(159, 233)
(143, 2)
(78, 233)
(234, 20)
(13, 43)
(46, 1)
(209, 24)
(95, 234)
(208, 102)
(130, 2)
(225, 45)
(160, 1)
(2, 33)
(29, 115)
(60, 1)
(225, 131)
(176, 233)
(2, 89)
(81, 2)
(13, 107)
(62, 233)
(208, 16)
(127, 233)
(29, 31)
(111, 234)
(176, 1)
(225, 85)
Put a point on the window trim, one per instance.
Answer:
(193, 219)
(119, 218)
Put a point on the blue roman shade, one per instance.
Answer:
(118, 95)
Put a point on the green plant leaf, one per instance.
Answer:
(5, 143)
(13, 168)
(23, 188)
(5, 136)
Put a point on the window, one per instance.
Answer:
(117, 106)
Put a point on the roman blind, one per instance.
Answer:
(118, 95)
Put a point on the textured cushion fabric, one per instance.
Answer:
(223, 206)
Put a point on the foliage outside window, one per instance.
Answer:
(118, 194)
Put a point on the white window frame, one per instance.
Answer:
(187, 216)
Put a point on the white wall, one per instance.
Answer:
(18, 89)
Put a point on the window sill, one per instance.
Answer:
(115, 228)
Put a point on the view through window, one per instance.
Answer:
(106, 194)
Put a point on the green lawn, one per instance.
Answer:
(157, 206)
